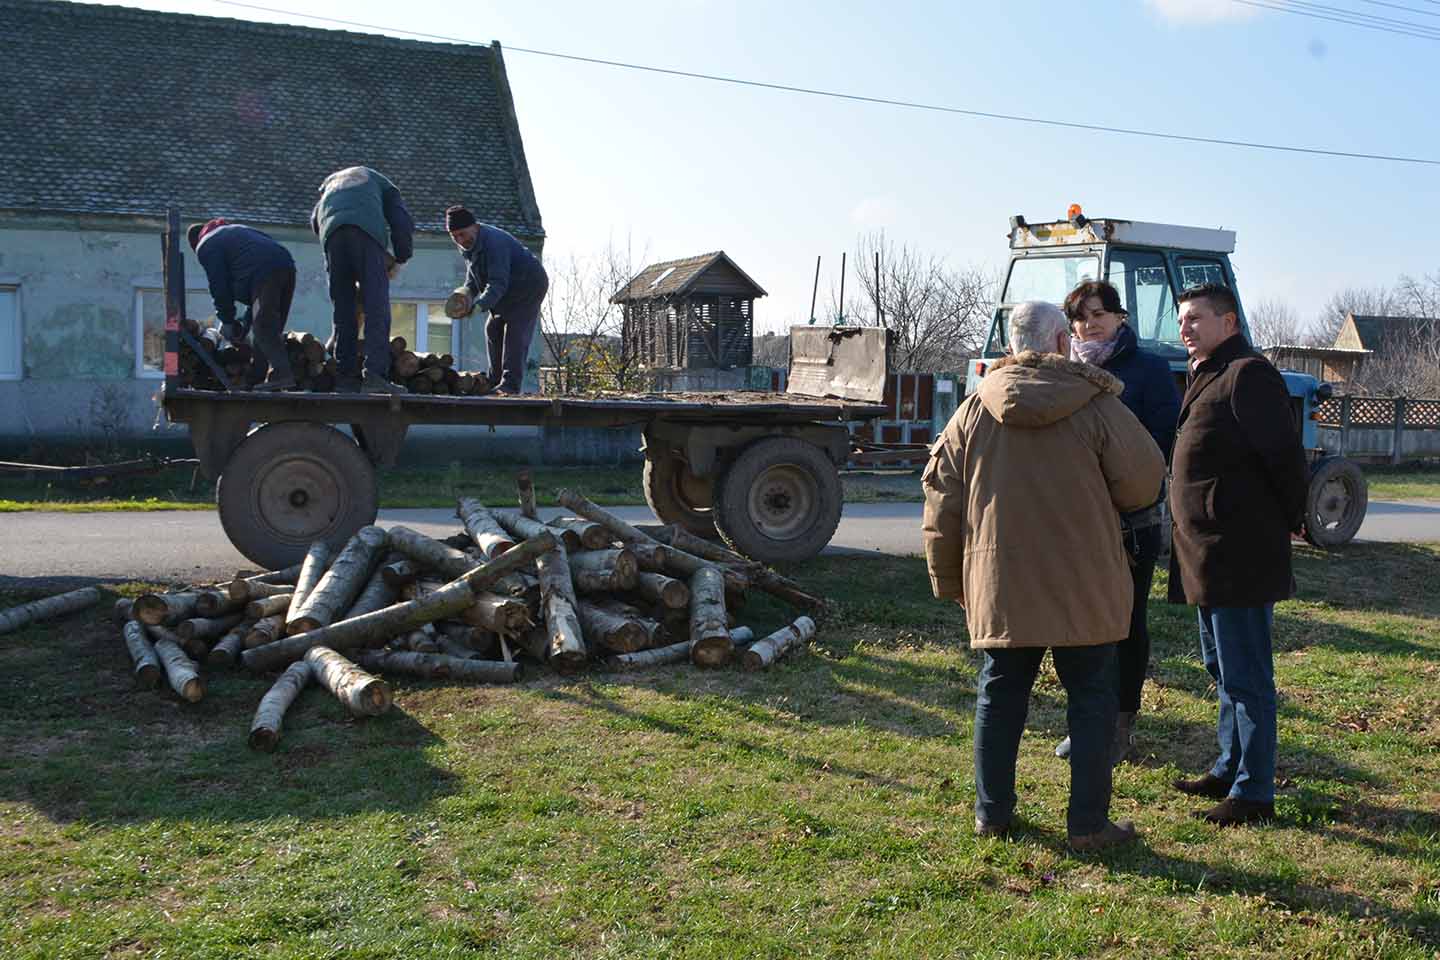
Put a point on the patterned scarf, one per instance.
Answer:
(1094, 352)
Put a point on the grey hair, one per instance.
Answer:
(1034, 325)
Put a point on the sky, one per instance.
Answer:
(669, 167)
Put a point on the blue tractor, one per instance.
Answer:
(1149, 263)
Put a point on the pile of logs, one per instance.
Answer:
(508, 591)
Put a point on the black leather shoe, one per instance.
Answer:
(1207, 786)
(1234, 812)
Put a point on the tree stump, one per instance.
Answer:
(270, 715)
(341, 584)
(362, 694)
(142, 655)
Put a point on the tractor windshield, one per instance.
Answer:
(1048, 278)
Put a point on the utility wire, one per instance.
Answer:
(1401, 6)
(881, 101)
(1359, 16)
(1281, 7)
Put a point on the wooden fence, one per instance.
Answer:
(1380, 428)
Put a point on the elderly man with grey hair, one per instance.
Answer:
(1022, 499)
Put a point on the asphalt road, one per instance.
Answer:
(189, 545)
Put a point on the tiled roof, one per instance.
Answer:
(673, 277)
(121, 111)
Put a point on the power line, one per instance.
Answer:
(1281, 6)
(1401, 6)
(1357, 15)
(880, 101)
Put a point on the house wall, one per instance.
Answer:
(77, 280)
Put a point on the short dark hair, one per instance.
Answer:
(1109, 299)
(194, 234)
(1220, 297)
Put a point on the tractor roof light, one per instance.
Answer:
(1076, 215)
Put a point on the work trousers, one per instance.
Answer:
(509, 331)
(354, 257)
(269, 312)
(1133, 652)
(1236, 646)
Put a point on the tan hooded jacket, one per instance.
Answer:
(1022, 498)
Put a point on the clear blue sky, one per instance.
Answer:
(679, 166)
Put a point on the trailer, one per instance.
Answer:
(759, 470)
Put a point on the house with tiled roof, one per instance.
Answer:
(690, 314)
(113, 114)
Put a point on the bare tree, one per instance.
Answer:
(1406, 364)
(1366, 301)
(1273, 323)
(583, 331)
(772, 350)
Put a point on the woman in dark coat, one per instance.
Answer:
(1102, 337)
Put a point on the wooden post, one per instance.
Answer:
(341, 584)
(1345, 413)
(142, 654)
(265, 728)
(1397, 442)
(362, 694)
(764, 652)
(710, 644)
(482, 527)
(58, 605)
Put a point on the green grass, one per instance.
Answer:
(822, 808)
(1403, 483)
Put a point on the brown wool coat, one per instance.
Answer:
(1022, 496)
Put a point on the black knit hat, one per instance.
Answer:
(458, 218)
(194, 234)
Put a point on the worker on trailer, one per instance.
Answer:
(505, 280)
(359, 215)
(245, 265)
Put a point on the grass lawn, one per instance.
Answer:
(820, 809)
(1403, 483)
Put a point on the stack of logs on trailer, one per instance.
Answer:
(314, 367)
(509, 591)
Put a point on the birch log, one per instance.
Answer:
(269, 606)
(481, 643)
(312, 570)
(520, 526)
(596, 583)
(376, 596)
(246, 590)
(142, 655)
(207, 629)
(525, 488)
(710, 644)
(431, 666)
(591, 535)
(270, 715)
(274, 578)
(226, 653)
(764, 652)
(164, 608)
(180, 670)
(196, 650)
(611, 631)
(651, 557)
(482, 527)
(422, 640)
(341, 584)
(565, 639)
(762, 577)
(121, 613)
(668, 592)
(672, 653)
(362, 694)
(265, 631)
(428, 553)
(621, 565)
(398, 573)
(216, 603)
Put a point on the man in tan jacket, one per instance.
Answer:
(1022, 499)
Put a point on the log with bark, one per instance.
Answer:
(651, 557)
(121, 612)
(668, 592)
(342, 583)
(142, 655)
(482, 643)
(671, 653)
(431, 666)
(610, 631)
(766, 651)
(398, 573)
(506, 616)
(483, 528)
(565, 640)
(620, 565)
(196, 650)
(362, 694)
(525, 490)
(422, 640)
(206, 629)
(591, 535)
(596, 583)
(269, 606)
(226, 652)
(376, 596)
(265, 631)
(270, 715)
(400, 617)
(710, 644)
(312, 569)
(763, 578)
(167, 609)
(216, 603)
(180, 670)
(521, 527)
(246, 590)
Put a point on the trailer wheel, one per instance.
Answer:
(779, 501)
(1335, 503)
(290, 484)
(676, 495)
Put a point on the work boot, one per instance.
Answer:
(1062, 749)
(1207, 786)
(1113, 835)
(984, 829)
(1235, 812)
(1124, 739)
(374, 383)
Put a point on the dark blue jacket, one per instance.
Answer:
(1149, 388)
(501, 271)
(236, 258)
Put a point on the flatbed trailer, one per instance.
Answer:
(760, 470)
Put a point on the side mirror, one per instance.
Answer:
(1323, 392)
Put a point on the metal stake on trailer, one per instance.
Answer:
(173, 264)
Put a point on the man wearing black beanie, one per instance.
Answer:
(507, 281)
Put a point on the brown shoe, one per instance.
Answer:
(1114, 835)
(1207, 786)
(1235, 812)
(983, 829)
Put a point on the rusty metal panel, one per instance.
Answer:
(925, 402)
(846, 362)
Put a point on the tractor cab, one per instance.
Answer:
(1149, 264)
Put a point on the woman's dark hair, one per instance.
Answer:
(1109, 299)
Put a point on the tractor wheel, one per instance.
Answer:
(1335, 503)
(780, 501)
(676, 495)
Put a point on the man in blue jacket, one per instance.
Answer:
(506, 280)
(244, 265)
(359, 215)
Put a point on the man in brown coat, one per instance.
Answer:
(1022, 499)
(1238, 489)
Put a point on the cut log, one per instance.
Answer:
(426, 553)
(196, 650)
(764, 652)
(432, 666)
(121, 612)
(376, 596)
(668, 592)
(226, 653)
(422, 640)
(481, 643)
(589, 511)
(595, 583)
(216, 603)
(483, 528)
(362, 694)
(312, 570)
(592, 536)
(525, 488)
(398, 573)
(741, 635)
(265, 631)
(341, 584)
(620, 565)
(270, 715)
(207, 628)
(400, 617)
(710, 644)
(180, 670)
(244, 591)
(164, 608)
(651, 557)
(762, 577)
(565, 643)
(142, 655)
(610, 631)
(507, 616)
(287, 576)
(269, 606)
(519, 526)
(671, 653)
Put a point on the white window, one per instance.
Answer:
(150, 326)
(424, 326)
(10, 366)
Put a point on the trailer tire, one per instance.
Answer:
(290, 484)
(676, 495)
(1335, 502)
(780, 501)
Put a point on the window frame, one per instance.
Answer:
(422, 325)
(137, 330)
(1165, 263)
(12, 286)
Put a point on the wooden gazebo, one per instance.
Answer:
(690, 314)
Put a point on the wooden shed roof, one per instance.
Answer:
(676, 277)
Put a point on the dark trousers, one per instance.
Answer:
(269, 311)
(509, 332)
(1235, 643)
(1133, 652)
(1003, 702)
(354, 257)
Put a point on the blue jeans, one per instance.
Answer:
(1090, 677)
(1236, 647)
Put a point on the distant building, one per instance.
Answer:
(691, 314)
(1362, 338)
